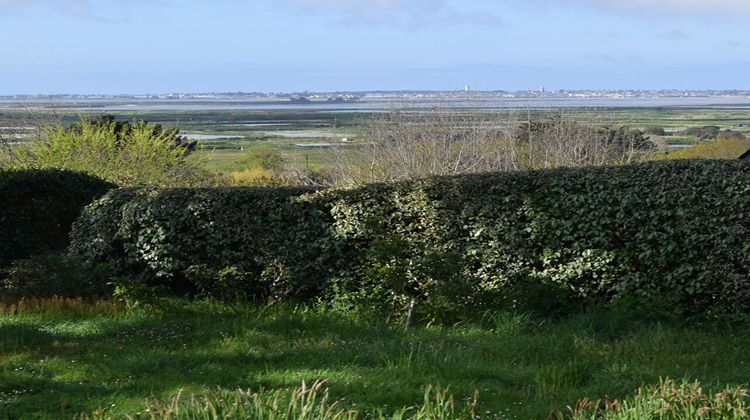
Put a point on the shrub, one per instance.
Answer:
(655, 130)
(129, 155)
(721, 148)
(254, 176)
(670, 233)
(223, 241)
(729, 134)
(54, 274)
(263, 156)
(707, 132)
(37, 208)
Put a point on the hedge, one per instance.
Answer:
(38, 207)
(236, 241)
(672, 233)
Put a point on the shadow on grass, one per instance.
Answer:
(50, 363)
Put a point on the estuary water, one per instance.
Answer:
(221, 104)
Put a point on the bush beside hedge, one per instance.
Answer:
(55, 274)
(38, 207)
(669, 233)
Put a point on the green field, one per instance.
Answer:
(285, 130)
(58, 359)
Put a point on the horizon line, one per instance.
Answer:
(370, 91)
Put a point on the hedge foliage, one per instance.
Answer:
(673, 233)
(224, 241)
(38, 207)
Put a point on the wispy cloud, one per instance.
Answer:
(396, 12)
(483, 12)
(412, 13)
(601, 57)
(369, 6)
(87, 3)
(91, 9)
(676, 6)
(611, 58)
(673, 35)
(56, 3)
(654, 7)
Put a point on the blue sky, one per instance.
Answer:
(156, 46)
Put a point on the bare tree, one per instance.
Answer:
(407, 144)
(22, 126)
(563, 138)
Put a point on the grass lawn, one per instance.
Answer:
(58, 359)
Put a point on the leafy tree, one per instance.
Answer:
(625, 140)
(265, 157)
(122, 129)
(128, 154)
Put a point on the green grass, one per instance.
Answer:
(228, 160)
(58, 359)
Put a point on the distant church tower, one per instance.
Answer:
(541, 90)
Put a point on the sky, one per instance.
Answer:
(163, 46)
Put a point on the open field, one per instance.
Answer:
(225, 135)
(60, 359)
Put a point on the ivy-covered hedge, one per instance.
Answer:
(673, 233)
(224, 241)
(38, 207)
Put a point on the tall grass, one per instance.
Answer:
(304, 403)
(197, 359)
(670, 399)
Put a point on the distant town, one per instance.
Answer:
(367, 96)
